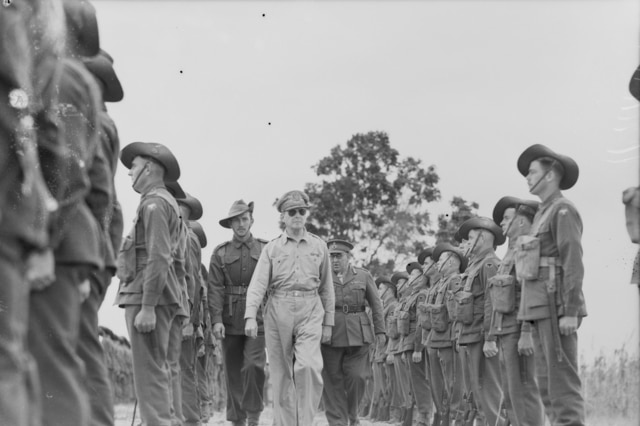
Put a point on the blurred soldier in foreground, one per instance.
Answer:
(232, 265)
(150, 288)
(550, 265)
(345, 357)
(294, 269)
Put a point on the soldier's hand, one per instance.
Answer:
(145, 320)
(251, 327)
(568, 325)
(490, 348)
(84, 288)
(403, 357)
(327, 330)
(416, 357)
(390, 359)
(218, 330)
(40, 269)
(525, 344)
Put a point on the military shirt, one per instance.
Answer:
(558, 225)
(482, 266)
(413, 341)
(158, 243)
(286, 265)
(352, 290)
(393, 343)
(232, 265)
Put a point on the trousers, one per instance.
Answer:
(293, 330)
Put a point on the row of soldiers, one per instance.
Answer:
(60, 221)
(478, 337)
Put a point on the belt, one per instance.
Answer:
(293, 293)
(544, 261)
(235, 289)
(350, 309)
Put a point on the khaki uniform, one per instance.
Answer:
(151, 273)
(301, 300)
(558, 226)
(346, 360)
(472, 319)
(393, 343)
(232, 266)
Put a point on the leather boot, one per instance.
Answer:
(253, 418)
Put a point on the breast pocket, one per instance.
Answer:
(367, 330)
(310, 264)
(126, 262)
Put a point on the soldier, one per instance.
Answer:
(472, 316)
(345, 357)
(446, 374)
(395, 350)
(413, 349)
(230, 271)
(552, 286)
(151, 291)
(389, 296)
(518, 370)
(299, 313)
(381, 394)
(110, 219)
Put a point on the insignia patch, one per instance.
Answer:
(563, 212)
(152, 206)
(18, 98)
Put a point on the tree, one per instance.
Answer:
(374, 198)
(448, 224)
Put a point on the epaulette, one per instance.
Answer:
(263, 241)
(219, 246)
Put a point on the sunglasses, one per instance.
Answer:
(292, 212)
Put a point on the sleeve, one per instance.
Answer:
(259, 284)
(417, 339)
(326, 290)
(488, 271)
(376, 305)
(158, 244)
(215, 288)
(567, 232)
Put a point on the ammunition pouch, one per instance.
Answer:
(126, 262)
(451, 304)
(404, 323)
(440, 317)
(463, 306)
(502, 289)
(424, 316)
(392, 327)
(527, 257)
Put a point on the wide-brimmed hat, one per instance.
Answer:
(175, 190)
(424, 254)
(397, 276)
(237, 208)
(571, 170)
(195, 207)
(291, 200)
(83, 37)
(337, 246)
(101, 66)
(158, 152)
(444, 247)
(526, 207)
(411, 266)
(383, 280)
(482, 223)
(199, 231)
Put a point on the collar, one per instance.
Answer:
(546, 203)
(480, 256)
(286, 237)
(237, 243)
(153, 189)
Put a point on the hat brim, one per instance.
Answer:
(502, 205)
(199, 231)
(226, 222)
(195, 207)
(571, 169)
(82, 25)
(144, 149)
(445, 247)
(482, 223)
(103, 69)
(175, 190)
(424, 254)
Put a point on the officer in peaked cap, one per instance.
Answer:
(514, 339)
(553, 297)
(446, 378)
(300, 311)
(346, 361)
(231, 268)
(151, 290)
(472, 333)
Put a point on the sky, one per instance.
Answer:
(250, 95)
